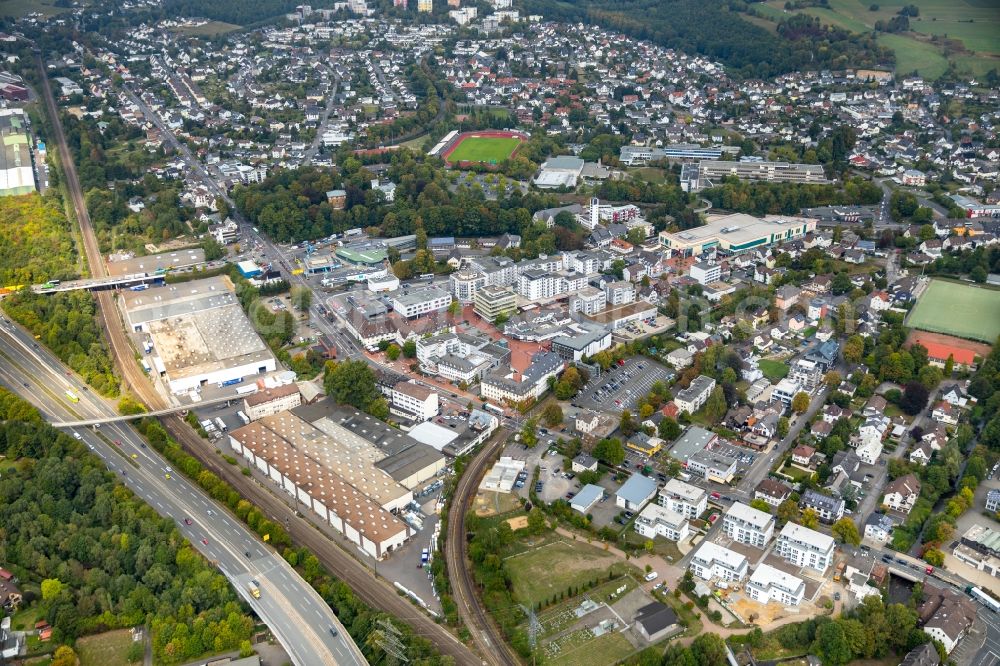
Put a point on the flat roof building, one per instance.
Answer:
(200, 334)
(655, 520)
(17, 173)
(775, 172)
(735, 234)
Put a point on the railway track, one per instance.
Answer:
(485, 632)
(373, 591)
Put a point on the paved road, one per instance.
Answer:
(292, 609)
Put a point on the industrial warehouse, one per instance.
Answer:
(17, 173)
(354, 471)
(199, 332)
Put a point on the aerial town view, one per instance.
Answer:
(500, 333)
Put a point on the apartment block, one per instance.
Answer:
(655, 520)
(713, 561)
(685, 499)
(748, 525)
(770, 584)
(804, 547)
(692, 398)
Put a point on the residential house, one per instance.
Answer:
(770, 584)
(771, 491)
(829, 509)
(804, 547)
(879, 527)
(902, 493)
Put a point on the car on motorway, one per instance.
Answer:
(77, 435)
(205, 541)
(187, 521)
(118, 442)
(333, 632)
(134, 456)
(166, 476)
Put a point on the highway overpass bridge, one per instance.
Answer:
(133, 281)
(134, 417)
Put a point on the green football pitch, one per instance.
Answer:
(484, 149)
(963, 310)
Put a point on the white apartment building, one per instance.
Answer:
(685, 499)
(620, 292)
(770, 584)
(713, 561)
(271, 401)
(536, 285)
(692, 398)
(804, 547)
(785, 390)
(655, 520)
(413, 401)
(465, 285)
(705, 272)
(588, 300)
(499, 271)
(420, 301)
(748, 525)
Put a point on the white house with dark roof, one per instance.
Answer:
(902, 493)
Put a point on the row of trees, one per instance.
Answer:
(101, 558)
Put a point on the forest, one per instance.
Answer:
(36, 244)
(99, 557)
(111, 156)
(291, 205)
(762, 198)
(715, 30)
(66, 323)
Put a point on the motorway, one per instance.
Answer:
(292, 609)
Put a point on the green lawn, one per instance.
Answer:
(539, 574)
(210, 29)
(104, 649)
(484, 149)
(915, 56)
(21, 8)
(773, 370)
(651, 175)
(973, 24)
(964, 310)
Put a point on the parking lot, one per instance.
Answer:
(621, 387)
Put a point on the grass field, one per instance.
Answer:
(962, 310)
(210, 29)
(773, 370)
(484, 149)
(606, 649)
(21, 8)
(111, 647)
(551, 569)
(974, 24)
